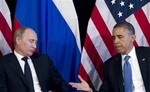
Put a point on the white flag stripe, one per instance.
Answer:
(140, 38)
(147, 11)
(4, 47)
(98, 41)
(106, 14)
(5, 12)
(90, 69)
(67, 9)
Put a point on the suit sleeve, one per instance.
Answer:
(58, 83)
(105, 85)
(3, 82)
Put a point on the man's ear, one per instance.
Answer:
(133, 37)
(18, 40)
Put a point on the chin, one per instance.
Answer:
(119, 51)
(30, 54)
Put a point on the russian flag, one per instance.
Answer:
(56, 25)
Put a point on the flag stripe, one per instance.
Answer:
(84, 75)
(98, 41)
(146, 11)
(6, 45)
(6, 31)
(103, 30)
(90, 69)
(93, 56)
(16, 24)
(140, 39)
(106, 14)
(144, 24)
(67, 14)
(5, 12)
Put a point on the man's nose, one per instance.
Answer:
(34, 45)
(115, 40)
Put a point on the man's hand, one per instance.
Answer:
(81, 86)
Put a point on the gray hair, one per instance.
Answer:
(19, 32)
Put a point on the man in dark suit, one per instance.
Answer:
(115, 77)
(37, 68)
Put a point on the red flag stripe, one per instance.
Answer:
(105, 14)
(103, 30)
(90, 69)
(97, 41)
(6, 45)
(144, 24)
(146, 11)
(5, 12)
(93, 54)
(16, 24)
(140, 38)
(6, 31)
(85, 76)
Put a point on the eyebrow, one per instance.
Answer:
(117, 35)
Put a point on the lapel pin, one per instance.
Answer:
(143, 59)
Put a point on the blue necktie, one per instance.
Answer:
(28, 75)
(127, 75)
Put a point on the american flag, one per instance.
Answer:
(98, 46)
(6, 43)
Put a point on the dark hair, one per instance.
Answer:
(126, 25)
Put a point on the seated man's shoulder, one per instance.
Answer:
(39, 55)
(116, 57)
(143, 48)
(7, 56)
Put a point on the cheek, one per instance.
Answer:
(26, 45)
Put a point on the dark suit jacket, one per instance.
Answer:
(113, 81)
(12, 78)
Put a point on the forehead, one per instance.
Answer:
(29, 33)
(119, 31)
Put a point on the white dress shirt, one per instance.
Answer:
(37, 87)
(138, 85)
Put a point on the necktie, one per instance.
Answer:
(28, 75)
(127, 75)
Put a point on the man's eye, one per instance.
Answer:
(120, 37)
(31, 41)
(113, 38)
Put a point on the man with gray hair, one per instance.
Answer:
(26, 71)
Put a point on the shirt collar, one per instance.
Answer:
(18, 55)
(132, 53)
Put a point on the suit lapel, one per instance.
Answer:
(143, 64)
(118, 71)
(37, 66)
(14, 64)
